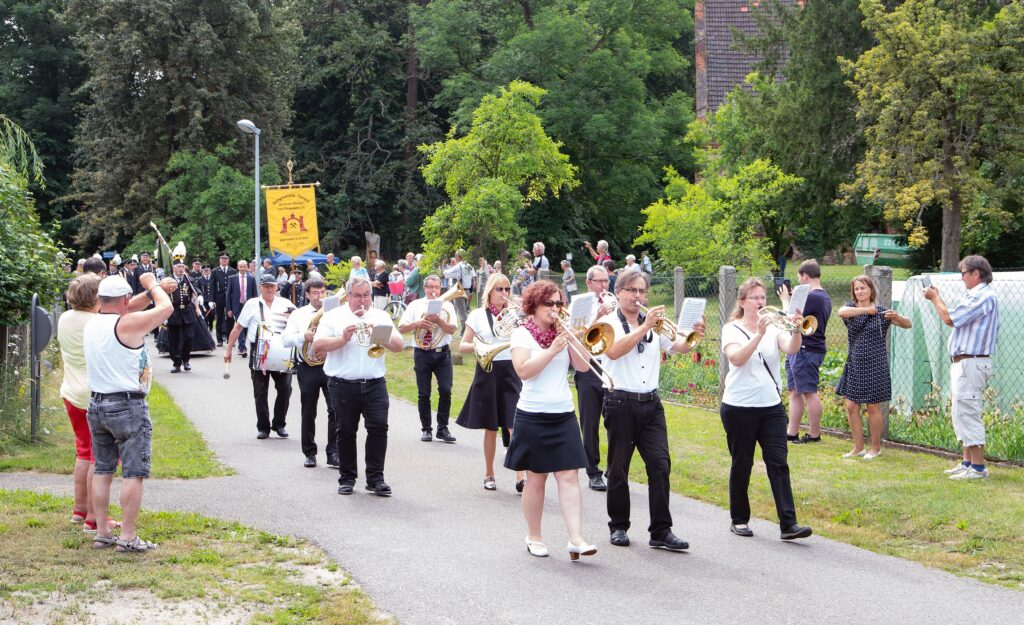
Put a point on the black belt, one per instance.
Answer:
(960, 357)
(653, 395)
(439, 350)
(120, 395)
(369, 381)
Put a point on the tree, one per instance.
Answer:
(718, 221)
(941, 96)
(501, 166)
(166, 76)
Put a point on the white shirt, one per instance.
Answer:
(273, 315)
(477, 321)
(548, 391)
(70, 334)
(112, 366)
(352, 361)
(418, 308)
(298, 323)
(633, 371)
(751, 386)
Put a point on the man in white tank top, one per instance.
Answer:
(119, 378)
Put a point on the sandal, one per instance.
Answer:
(78, 516)
(489, 483)
(89, 527)
(102, 542)
(136, 545)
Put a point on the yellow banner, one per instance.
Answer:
(291, 219)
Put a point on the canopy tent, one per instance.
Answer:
(280, 258)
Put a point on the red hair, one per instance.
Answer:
(536, 294)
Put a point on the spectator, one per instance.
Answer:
(484, 271)
(600, 254)
(379, 281)
(609, 266)
(645, 263)
(358, 271)
(630, 264)
(865, 378)
(497, 267)
(568, 280)
(540, 262)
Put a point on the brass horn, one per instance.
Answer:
(454, 293)
(807, 326)
(486, 352)
(312, 358)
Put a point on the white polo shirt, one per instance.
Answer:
(548, 391)
(298, 323)
(477, 321)
(273, 316)
(352, 361)
(418, 308)
(753, 385)
(633, 371)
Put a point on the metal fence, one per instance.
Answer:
(22, 370)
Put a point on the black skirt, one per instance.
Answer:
(491, 402)
(545, 443)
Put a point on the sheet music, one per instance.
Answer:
(381, 333)
(434, 307)
(691, 313)
(799, 298)
(332, 302)
(581, 310)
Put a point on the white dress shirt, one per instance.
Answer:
(273, 316)
(633, 371)
(418, 308)
(352, 361)
(298, 323)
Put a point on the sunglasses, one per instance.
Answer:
(502, 289)
(558, 304)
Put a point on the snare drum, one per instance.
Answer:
(273, 355)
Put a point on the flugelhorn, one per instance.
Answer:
(419, 336)
(666, 328)
(807, 326)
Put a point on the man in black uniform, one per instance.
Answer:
(204, 284)
(146, 266)
(197, 271)
(179, 325)
(219, 279)
(129, 274)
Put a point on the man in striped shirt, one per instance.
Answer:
(975, 323)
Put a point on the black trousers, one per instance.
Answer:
(745, 427)
(260, 391)
(311, 382)
(590, 393)
(224, 324)
(370, 401)
(437, 364)
(179, 343)
(640, 426)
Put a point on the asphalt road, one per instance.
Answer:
(443, 550)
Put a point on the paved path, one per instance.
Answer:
(443, 550)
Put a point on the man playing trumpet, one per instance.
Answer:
(356, 385)
(633, 414)
(433, 357)
(310, 366)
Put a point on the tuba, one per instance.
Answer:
(436, 335)
(777, 318)
(312, 358)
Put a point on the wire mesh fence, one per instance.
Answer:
(15, 384)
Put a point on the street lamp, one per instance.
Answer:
(248, 127)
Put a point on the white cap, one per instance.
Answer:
(114, 286)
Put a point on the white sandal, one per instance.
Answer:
(536, 548)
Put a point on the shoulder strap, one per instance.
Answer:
(771, 375)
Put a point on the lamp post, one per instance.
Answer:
(248, 127)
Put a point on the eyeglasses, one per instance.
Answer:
(598, 281)
(635, 291)
(964, 273)
(557, 304)
(503, 289)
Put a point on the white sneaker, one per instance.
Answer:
(959, 468)
(871, 455)
(970, 474)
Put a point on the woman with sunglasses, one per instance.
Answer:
(491, 402)
(752, 411)
(547, 436)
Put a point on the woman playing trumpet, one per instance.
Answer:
(547, 435)
(491, 402)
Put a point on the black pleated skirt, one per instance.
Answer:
(491, 402)
(545, 443)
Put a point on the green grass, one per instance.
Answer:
(222, 565)
(900, 504)
(179, 450)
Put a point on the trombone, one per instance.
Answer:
(596, 340)
(806, 327)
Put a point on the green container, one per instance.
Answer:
(889, 251)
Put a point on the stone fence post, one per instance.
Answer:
(678, 291)
(882, 276)
(726, 302)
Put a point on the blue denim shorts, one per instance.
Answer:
(802, 371)
(121, 429)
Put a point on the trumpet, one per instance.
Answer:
(363, 333)
(596, 340)
(666, 328)
(806, 327)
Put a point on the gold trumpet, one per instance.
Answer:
(665, 327)
(776, 317)
(363, 333)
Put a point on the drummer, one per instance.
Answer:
(265, 318)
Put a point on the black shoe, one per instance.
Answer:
(597, 483)
(807, 438)
(795, 531)
(444, 435)
(741, 529)
(188, 367)
(345, 489)
(333, 460)
(426, 437)
(380, 489)
(262, 434)
(619, 538)
(243, 354)
(669, 541)
(792, 438)
(520, 485)
(310, 462)
(176, 369)
(220, 343)
(281, 432)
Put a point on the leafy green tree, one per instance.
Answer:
(718, 220)
(499, 168)
(167, 76)
(936, 95)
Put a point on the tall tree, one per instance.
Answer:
(942, 95)
(170, 75)
(503, 164)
